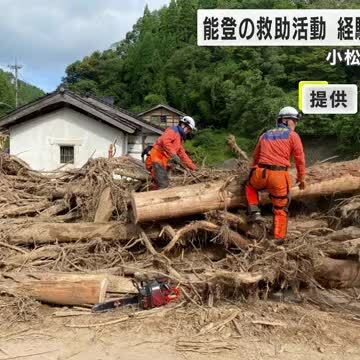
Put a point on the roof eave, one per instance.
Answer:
(10, 119)
(170, 108)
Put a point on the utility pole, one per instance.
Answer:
(16, 69)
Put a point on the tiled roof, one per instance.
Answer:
(168, 107)
(120, 118)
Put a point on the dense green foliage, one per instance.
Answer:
(27, 92)
(209, 146)
(239, 89)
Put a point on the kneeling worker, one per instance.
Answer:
(168, 150)
(271, 161)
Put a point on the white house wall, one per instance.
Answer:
(135, 144)
(38, 140)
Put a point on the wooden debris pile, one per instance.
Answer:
(69, 237)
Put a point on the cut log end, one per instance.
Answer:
(133, 210)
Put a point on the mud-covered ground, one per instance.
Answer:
(260, 330)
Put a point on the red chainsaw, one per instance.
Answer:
(153, 293)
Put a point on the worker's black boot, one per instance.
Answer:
(279, 241)
(254, 215)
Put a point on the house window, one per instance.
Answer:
(163, 119)
(66, 154)
(155, 119)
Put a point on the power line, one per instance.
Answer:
(16, 69)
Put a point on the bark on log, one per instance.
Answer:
(42, 233)
(335, 273)
(185, 200)
(303, 224)
(200, 198)
(342, 248)
(14, 210)
(45, 252)
(139, 175)
(55, 209)
(105, 207)
(351, 232)
(237, 222)
(234, 279)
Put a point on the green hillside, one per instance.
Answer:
(27, 92)
(237, 89)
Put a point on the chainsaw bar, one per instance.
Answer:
(113, 304)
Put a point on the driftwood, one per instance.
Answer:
(351, 232)
(232, 236)
(45, 252)
(235, 279)
(46, 233)
(55, 209)
(14, 210)
(105, 207)
(342, 248)
(228, 264)
(237, 222)
(336, 273)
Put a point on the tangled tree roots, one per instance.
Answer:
(79, 221)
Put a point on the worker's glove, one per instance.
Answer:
(174, 160)
(302, 184)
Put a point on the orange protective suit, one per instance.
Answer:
(169, 144)
(270, 172)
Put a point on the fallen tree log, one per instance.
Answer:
(45, 252)
(14, 210)
(338, 273)
(42, 233)
(69, 292)
(235, 279)
(348, 233)
(55, 209)
(342, 248)
(105, 207)
(49, 233)
(115, 284)
(304, 224)
(200, 198)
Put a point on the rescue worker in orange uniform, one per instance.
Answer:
(169, 150)
(271, 161)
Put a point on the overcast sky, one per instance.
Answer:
(47, 35)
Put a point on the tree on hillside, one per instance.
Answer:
(240, 89)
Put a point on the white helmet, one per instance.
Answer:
(189, 121)
(290, 113)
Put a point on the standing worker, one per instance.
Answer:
(271, 161)
(169, 150)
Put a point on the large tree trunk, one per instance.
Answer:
(185, 200)
(200, 198)
(70, 291)
(115, 284)
(338, 273)
(42, 233)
